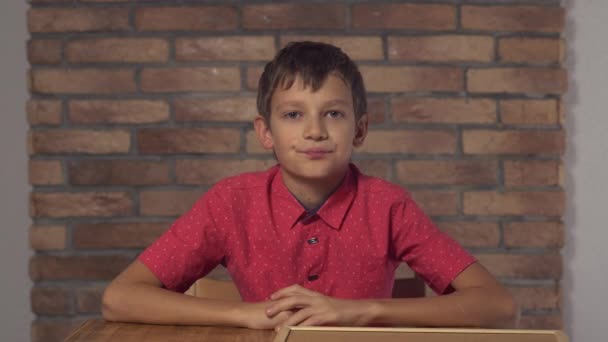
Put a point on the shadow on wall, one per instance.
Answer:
(569, 101)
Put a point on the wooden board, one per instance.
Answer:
(339, 334)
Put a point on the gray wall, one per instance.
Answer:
(15, 313)
(586, 253)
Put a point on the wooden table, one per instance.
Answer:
(100, 330)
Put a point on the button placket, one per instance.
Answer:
(316, 250)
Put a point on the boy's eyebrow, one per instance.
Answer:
(328, 103)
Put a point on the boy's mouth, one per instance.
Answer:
(316, 153)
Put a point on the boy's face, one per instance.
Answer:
(313, 133)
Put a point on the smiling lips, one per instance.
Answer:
(316, 153)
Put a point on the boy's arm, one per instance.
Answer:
(136, 295)
(478, 301)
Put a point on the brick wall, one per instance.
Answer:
(138, 107)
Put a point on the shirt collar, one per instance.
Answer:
(287, 210)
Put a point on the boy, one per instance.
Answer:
(311, 241)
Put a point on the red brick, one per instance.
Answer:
(55, 330)
(253, 77)
(79, 141)
(357, 47)
(199, 18)
(47, 238)
(409, 141)
(531, 50)
(44, 112)
(241, 48)
(404, 16)
(117, 235)
(443, 110)
(188, 140)
(534, 234)
(101, 204)
(45, 172)
(185, 79)
(77, 19)
(50, 301)
(90, 267)
(547, 321)
(411, 78)
(530, 266)
(536, 298)
(532, 172)
(513, 18)
(231, 109)
(118, 111)
(376, 108)
(547, 203)
(447, 172)
(472, 234)
(118, 172)
(529, 112)
(513, 142)
(122, 50)
(437, 202)
(441, 48)
(89, 300)
(210, 171)
(517, 80)
(44, 51)
(375, 168)
(82, 81)
(295, 16)
(167, 203)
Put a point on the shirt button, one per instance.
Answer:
(313, 240)
(313, 277)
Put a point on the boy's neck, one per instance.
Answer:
(311, 193)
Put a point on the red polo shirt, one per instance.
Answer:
(350, 248)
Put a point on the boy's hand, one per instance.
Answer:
(254, 316)
(316, 309)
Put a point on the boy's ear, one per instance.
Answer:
(360, 130)
(262, 130)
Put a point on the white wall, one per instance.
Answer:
(586, 253)
(15, 316)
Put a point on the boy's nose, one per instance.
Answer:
(315, 130)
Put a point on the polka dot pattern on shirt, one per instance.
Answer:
(254, 226)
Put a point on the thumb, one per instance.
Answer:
(281, 317)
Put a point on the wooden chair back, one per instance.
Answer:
(217, 285)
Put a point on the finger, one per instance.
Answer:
(313, 320)
(281, 317)
(288, 291)
(296, 318)
(289, 303)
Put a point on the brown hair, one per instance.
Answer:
(313, 62)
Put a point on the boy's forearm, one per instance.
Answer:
(481, 308)
(144, 303)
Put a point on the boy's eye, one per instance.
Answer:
(292, 115)
(334, 114)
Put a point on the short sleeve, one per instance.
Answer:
(429, 252)
(190, 248)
